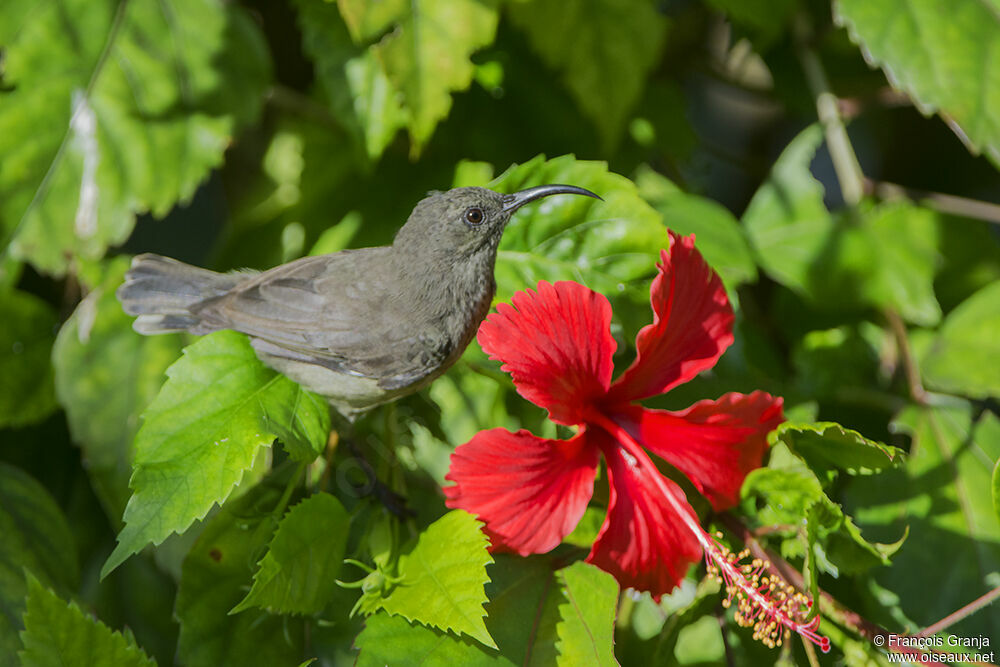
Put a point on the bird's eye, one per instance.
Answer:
(474, 216)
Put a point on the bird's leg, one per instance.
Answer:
(391, 500)
(372, 486)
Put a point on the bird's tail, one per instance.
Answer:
(161, 291)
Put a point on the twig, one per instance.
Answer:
(951, 204)
(910, 367)
(730, 658)
(960, 614)
(845, 161)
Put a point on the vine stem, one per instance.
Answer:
(845, 161)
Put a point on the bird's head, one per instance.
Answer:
(463, 222)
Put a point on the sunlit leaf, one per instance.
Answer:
(58, 634)
(443, 578)
(357, 88)
(106, 374)
(586, 631)
(944, 53)
(299, 571)
(391, 640)
(26, 393)
(827, 446)
(523, 616)
(787, 221)
(610, 246)
(219, 407)
(127, 108)
(791, 493)
(906, 237)
(36, 539)
(425, 56)
(956, 360)
(603, 49)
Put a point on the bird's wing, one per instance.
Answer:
(334, 310)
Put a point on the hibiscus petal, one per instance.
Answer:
(714, 443)
(644, 542)
(692, 325)
(557, 346)
(530, 492)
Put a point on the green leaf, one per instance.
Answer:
(786, 221)
(426, 56)
(523, 611)
(128, 106)
(215, 577)
(357, 89)
(767, 19)
(833, 362)
(36, 539)
(610, 246)
(58, 634)
(944, 53)
(298, 574)
(995, 489)
(955, 361)
(884, 255)
(469, 403)
(953, 546)
(704, 600)
(907, 238)
(443, 578)
(604, 50)
(26, 394)
(827, 446)
(219, 407)
(105, 375)
(586, 631)
(792, 494)
(391, 640)
(718, 234)
(587, 529)
(523, 617)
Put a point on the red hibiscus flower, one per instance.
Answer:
(556, 344)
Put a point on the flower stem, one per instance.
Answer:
(763, 602)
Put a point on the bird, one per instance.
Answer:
(360, 327)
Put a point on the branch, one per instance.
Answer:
(960, 614)
(910, 368)
(845, 162)
(939, 201)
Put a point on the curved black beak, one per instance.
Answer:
(515, 201)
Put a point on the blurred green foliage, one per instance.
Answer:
(826, 157)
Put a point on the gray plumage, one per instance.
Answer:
(360, 327)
